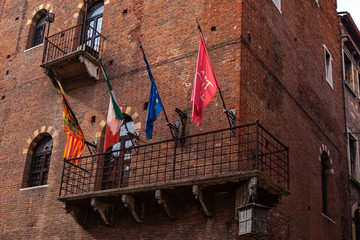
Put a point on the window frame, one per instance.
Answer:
(349, 80)
(92, 37)
(328, 67)
(39, 31)
(42, 169)
(325, 174)
(277, 4)
(353, 163)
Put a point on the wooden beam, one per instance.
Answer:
(205, 198)
(106, 210)
(168, 202)
(136, 207)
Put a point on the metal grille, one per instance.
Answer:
(210, 154)
(71, 40)
(39, 169)
(38, 35)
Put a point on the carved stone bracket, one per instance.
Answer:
(92, 69)
(205, 198)
(78, 213)
(168, 202)
(245, 194)
(106, 210)
(136, 207)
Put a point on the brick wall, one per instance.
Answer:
(270, 67)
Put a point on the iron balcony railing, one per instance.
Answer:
(80, 37)
(212, 154)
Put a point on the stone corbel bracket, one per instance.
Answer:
(136, 207)
(168, 202)
(78, 213)
(106, 210)
(204, 196)
(92, 69)
(245, 194)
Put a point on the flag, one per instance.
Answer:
(75, 137)
(154, 106)
(205, 83)
(73, 148)
(114, 118)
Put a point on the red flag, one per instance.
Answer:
(205, 83)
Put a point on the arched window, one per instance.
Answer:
(325, 169)
(116, 166)
(39, 31)
(94, 20)
(40, 162)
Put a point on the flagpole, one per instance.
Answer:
(229, 114)
(63, 92)
(221, 96)
(171, 126)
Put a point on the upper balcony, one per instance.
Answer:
(221, 160)
(74, 55)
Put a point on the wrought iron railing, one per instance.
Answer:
(80, 37)
(212, 154)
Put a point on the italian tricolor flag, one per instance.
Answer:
(114, 118)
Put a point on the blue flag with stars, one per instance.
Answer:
(154, 106)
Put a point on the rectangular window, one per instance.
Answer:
(353, 156)
(277, 4)
(348, 72)
(328, 67)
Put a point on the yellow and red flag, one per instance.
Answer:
(75, 138)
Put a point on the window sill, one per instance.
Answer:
(29, 49)
(35, 187)
(351, 90)
(328, 218)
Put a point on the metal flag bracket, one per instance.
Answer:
(174, 129)
(134, 137)
(93, 146)
(183, 119)
(231, 118)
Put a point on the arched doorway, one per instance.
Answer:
(93, 25)
(116, 167)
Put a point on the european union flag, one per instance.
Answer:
(154, 108)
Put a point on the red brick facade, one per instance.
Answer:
(270, 67)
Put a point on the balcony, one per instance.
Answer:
(74, 56)
(221, 160)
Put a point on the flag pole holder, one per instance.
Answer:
(231, 118)
(183, 119)
(175, 128)
(134, 137)
(92, 147)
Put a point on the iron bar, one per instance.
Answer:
(62, 179)
(70, 40)
(213, 153)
